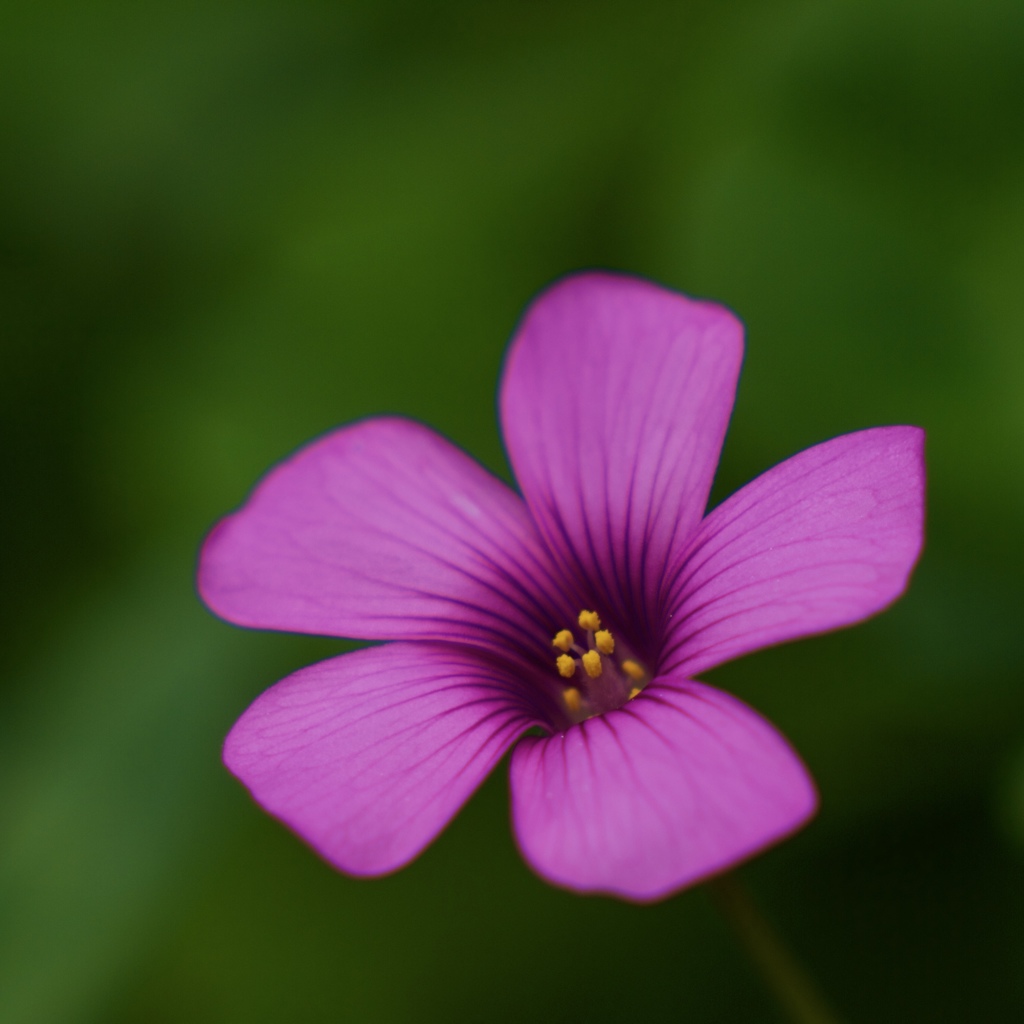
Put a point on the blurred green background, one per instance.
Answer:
(228, 227)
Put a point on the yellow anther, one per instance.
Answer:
(633, 669)
(590, 620)
(604, 641)
(634, 692)
(566, 666)
(563, 640)
(592, 663)
(572, 699)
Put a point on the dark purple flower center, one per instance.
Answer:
(604, 675)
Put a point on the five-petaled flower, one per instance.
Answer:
(586, 607)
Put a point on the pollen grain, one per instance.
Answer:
(563, 640)
(634, 670)
(592, 663)
(566, 666)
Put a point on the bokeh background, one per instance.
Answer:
(228, 227)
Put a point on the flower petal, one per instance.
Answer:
(369, 755)
(678, 784)
(383, 531)
(823, 540)
(615, 400)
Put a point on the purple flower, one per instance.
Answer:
(585, 608)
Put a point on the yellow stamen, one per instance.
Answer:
(563, 640)
(590, 620)
(592, 663)
(633, 669)
(604, 641)
(566, 666)
(634, 692)
(572, 699)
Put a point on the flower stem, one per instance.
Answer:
(778, 967)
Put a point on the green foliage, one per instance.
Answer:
(227, 228)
